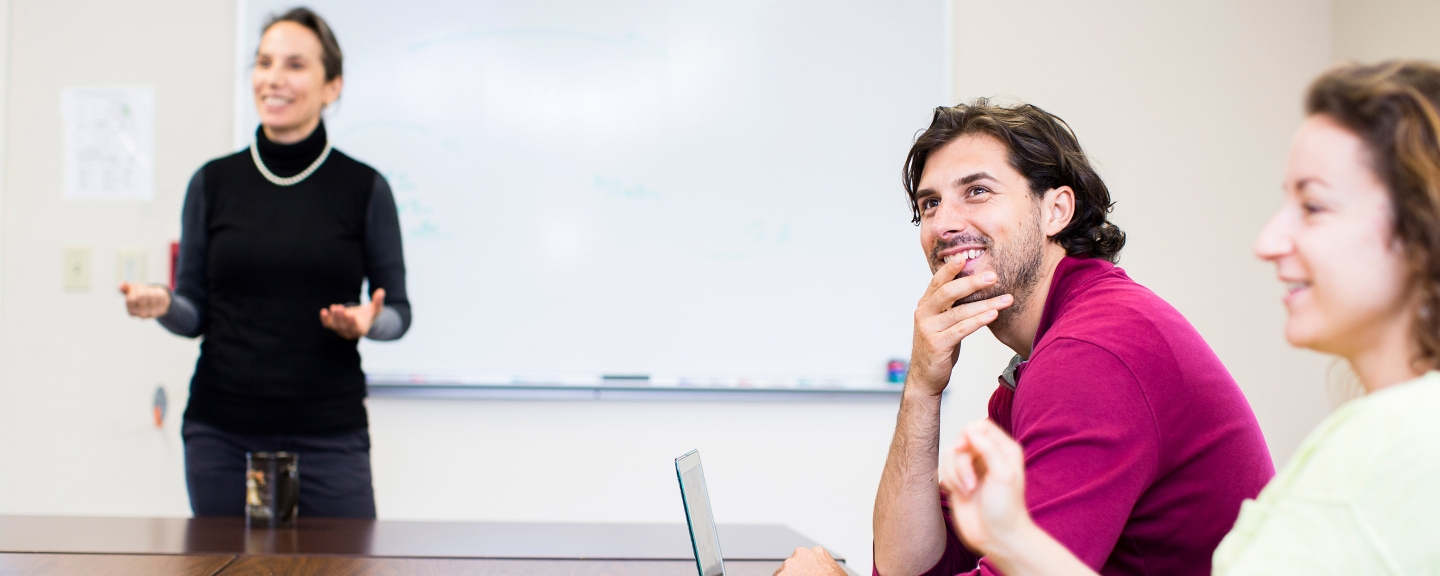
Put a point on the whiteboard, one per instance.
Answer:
(705, 193)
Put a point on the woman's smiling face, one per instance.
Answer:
(1333, 245)
(289, 82)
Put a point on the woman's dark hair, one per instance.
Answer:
(1045, 151)
(330, 55)
(1394, 107)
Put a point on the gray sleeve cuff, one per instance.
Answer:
(385, 259)
(388, 325)
(183, 317)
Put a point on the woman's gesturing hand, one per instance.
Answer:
(352, 322)
(986, 483)
(145, 300)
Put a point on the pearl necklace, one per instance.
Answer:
(293, 180)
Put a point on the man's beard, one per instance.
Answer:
(1016, 266)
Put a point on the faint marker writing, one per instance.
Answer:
(616, 188)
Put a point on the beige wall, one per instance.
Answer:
(76, 374)
(1188, 109)
(1371, 30)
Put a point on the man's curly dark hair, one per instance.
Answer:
(1043, 149)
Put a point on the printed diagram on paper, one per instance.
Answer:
(109, 143)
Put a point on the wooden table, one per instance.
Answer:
(42, 545)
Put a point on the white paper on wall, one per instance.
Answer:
(109, 142)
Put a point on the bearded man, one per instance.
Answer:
(1139, 446)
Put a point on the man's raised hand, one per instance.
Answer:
(940, 325)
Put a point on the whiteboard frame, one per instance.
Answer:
(631, 393)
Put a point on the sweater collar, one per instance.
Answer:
(1070, 275)
(290, 159)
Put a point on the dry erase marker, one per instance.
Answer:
(895, 371)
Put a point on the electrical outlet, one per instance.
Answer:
(130, 265)
(77, 267)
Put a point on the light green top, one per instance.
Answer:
(1361, 496)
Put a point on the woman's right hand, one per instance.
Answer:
(986, 483)
(145, 300)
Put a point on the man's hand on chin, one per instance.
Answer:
(811, 562)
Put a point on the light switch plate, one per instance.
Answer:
(130, 265)
(77, 267)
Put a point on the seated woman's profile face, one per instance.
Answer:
(1334, 247)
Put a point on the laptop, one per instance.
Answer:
(703, 537)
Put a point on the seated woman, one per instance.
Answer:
(1357, 243)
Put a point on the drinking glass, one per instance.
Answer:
(272, 489)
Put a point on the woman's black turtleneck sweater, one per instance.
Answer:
(257, 264)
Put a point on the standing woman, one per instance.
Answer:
(275, 239)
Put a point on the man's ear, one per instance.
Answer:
(1057, 210)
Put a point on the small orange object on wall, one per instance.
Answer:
(160, 406)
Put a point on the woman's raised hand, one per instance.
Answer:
(986, 483)
(145, 300)
(352, 322)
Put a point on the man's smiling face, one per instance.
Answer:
(974, 205)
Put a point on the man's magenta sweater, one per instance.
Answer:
(1139, 446)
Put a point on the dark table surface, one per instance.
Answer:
(150, 565)
(395, 538)
(224, 546)
(112, 565)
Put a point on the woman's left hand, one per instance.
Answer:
(352, 322)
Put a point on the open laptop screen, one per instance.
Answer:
(703, 536)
